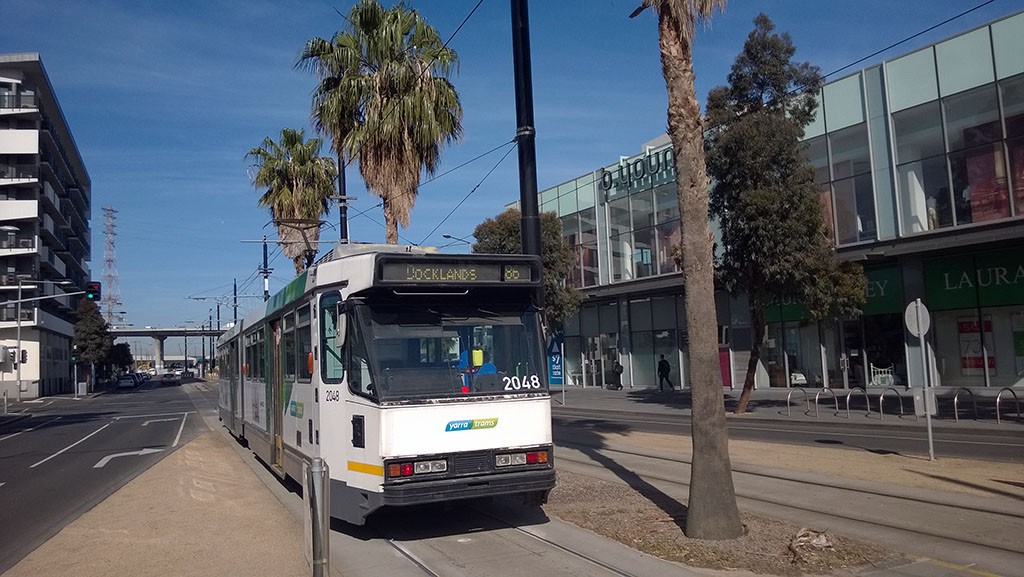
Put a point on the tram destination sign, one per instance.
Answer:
(455, 272)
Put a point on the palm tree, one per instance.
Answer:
(712, 512)
(385, 99)
(298, 182)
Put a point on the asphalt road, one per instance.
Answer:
(71, 454)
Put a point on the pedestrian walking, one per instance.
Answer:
(664, 368)
(616, 384)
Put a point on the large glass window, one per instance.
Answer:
(972, 118)
(850, 154)
(979, 184)
(667, 203)
(1012, 94)
(854, 209)
(817, 154)
(622, 257)
(642, 205)
(643, 247)
(918, 132)
(669, 237)
(588, 246)
(924, 195)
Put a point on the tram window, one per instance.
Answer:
(332, 336)
(288, 354)
(304, 345)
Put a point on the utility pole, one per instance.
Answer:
(525, 131)
(266, 272)
(234, 293)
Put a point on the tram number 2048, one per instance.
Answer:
(520, 383)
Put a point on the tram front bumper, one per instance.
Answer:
(520, 482)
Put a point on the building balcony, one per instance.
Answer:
(18, 102)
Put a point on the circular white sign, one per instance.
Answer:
(916, 310)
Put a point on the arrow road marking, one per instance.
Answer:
(139, 453)
(157, 421)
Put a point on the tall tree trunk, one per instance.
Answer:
(390, 223)
(712, 512)
(757, 315)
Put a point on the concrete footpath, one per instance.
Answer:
(209, 509)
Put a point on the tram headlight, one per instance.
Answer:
(398, 470)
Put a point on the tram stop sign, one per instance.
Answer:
(917, 311)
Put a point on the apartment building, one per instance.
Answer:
(44, 231)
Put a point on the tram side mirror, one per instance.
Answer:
(342, 325)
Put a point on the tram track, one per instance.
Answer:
(764, 489)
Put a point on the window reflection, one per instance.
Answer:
(979, 184)
(924, 195)
(972, 118)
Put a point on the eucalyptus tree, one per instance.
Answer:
(775, 247)
(298, 183)
(712, 512)
(501, 235)
(385, 99)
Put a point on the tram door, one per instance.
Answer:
(276, 390)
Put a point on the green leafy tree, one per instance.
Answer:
(92, 335)
(385, 98)
(298, 183)
(501, 235)
(775, 246)
(712, 512)
(121, 357)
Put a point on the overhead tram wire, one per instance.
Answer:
(469, 194)
(436, 177)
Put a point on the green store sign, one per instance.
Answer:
(883, 295)
(989, 279)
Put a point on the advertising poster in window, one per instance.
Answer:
(971, 353)
(1017, 326)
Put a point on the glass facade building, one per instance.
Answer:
(920, 160)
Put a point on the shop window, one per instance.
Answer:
(816, 152)
(850, 153)
(642, 206)
(979, 184)
(1016, 153)
(669, 236)
(618, 215)
(666, 200)
(643, 246)
(918, 133)
(972, 118)
(924, 195)
(855, 209)
(622, 257)
(1012, 94)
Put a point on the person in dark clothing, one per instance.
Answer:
(664, 368)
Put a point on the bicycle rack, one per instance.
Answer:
(805, 398)
(829, 391)
(881, 411)
(867, 400)
(956, 404)
(1016, 401)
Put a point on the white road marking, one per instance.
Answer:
(69, 446)
(102, 462)
(157, 421)
(178, 414)
(27, 430)
(180, 429)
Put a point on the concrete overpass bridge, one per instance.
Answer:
(159, 335)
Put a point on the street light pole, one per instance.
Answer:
(17, 351)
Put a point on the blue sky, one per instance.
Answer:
(165, 98)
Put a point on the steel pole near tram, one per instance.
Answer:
(525, 130)
(918, 321)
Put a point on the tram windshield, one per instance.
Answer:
(408, 352)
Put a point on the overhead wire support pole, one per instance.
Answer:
(525, 130)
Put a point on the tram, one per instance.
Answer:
(418, 377)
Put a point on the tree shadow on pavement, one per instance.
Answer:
(874, 451)
(984, 488)
(588, 440)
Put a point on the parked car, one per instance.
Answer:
(169, 377)
(127, 382)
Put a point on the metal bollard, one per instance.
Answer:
(317, 476)
(5, 402)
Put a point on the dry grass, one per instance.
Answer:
(618, 512)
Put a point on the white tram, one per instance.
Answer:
(418, 377)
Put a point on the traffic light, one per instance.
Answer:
(11, 356)
(92, 290)
(74, 353)
(24, 356)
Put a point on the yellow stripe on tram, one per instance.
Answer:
(366, 468)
